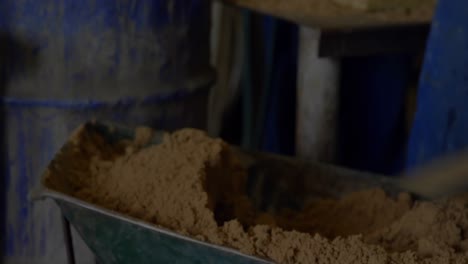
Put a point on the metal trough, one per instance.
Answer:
(116, 238)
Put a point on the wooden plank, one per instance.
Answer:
(371, 5)
(325, 14)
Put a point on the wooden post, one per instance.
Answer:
(317, 99)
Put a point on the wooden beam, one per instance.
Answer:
(325, 14)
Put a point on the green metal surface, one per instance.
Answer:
(115, 240)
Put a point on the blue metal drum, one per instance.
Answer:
(63, 62)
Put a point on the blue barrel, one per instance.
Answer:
(63, 62)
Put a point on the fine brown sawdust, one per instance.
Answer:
(196, 186)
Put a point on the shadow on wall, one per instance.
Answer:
(16, 57)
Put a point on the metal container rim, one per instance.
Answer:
(48, 193)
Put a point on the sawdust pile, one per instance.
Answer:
(195, 186)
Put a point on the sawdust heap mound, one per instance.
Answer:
(195, 185)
